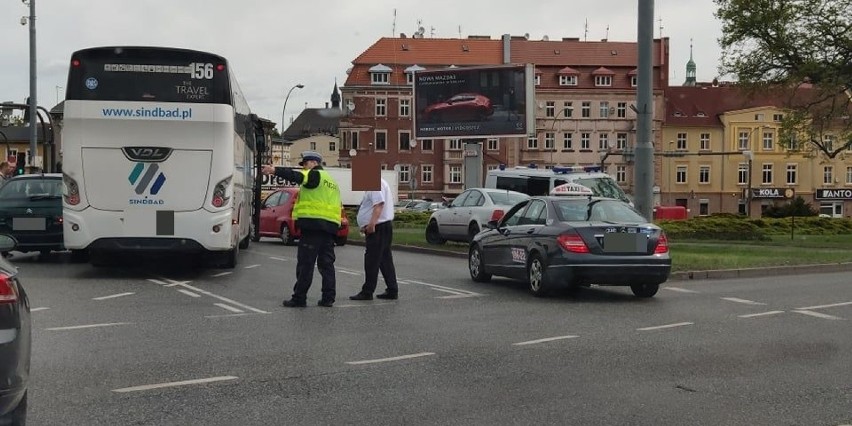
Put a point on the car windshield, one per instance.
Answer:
(31, 188)
(583, 210)
(506, 198)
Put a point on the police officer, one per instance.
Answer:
(317, 215)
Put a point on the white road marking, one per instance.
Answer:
(222, 274)
(833, 305)
(744, 301)
(818, 315)
(230, 308)
(436, 287)
(660, 327)
(453, 292)
(113, 296)
(348, 273)
(189, 293)
(278, 258)
(78, 327)
(548, 339)
(173, 384)
(762, 314)
(230, 315)
(680, 290)
(396, 358)
(44, 308)
(222, 298)
(252, 266)
(458, 296)
(177, 283)
(157, 281)
(361, 305)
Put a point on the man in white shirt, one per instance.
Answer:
(375, 219)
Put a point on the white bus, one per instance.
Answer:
(158, 155)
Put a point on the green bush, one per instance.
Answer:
(797, 207)
(740, 228)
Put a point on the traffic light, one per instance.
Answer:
(19, 169)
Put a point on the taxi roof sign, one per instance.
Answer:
(572, 189)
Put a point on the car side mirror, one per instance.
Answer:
(492, 224)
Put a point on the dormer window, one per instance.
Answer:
(538, 79)
(567, 80)
(409, 73)
(603, 80)
(633, 81)
(380, 74)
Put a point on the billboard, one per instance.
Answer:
(474, 102)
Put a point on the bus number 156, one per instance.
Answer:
(201, 71)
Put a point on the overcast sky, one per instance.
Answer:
(273, 45)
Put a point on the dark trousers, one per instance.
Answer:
(315, 247)
(379, 257)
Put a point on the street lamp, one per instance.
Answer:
(749, 155)
(283, 120)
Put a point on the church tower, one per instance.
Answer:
(690, 68)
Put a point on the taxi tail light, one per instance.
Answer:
(71, 191)
(497, 214)
(8, 293)
(220, 192)
(662, 244)
(572, 243)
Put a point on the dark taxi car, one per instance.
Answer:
(14, 342)
(570, 240)
(31, 212)
(276, 218)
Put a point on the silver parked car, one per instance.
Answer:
(469, 213)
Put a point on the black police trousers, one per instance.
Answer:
(315, 247)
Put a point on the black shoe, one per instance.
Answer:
(387, 296)
(361, 296)
(326, 303)
(293, 304)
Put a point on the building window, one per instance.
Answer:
(828, 142)
(768, 141)
(828, 175)
(603, 141)
(604, 109)
(743, 141)
(493, 144)
(381, 107)
(680, 175)
(332, 146)
(455, 174)
(568, 107)
(567, 80)
(345, 139)
(405, 107)
(758, 117)
(621, 174)
(621, 141)
(550, 109)
(380, 77)
(409, 78)
(791, 174)
(777, 117)
(633, 81)
(742, 173)
(704, 207)
(603, 80)
(567, 140)
(404, 173)
(704, 142)
(493, 167)
(455, 144)
(549, 140)
(404, 141)
(681, 142)
(848, 175)
(704, 174)
(767, 174)
(586, 110)
(426, 173)
(313, 146)
(621, 110)
(354, 139)
(532, 143)
(426, 145)
(585, 140)
(538, 79)
(381, 140)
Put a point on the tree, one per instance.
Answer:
(802, 50)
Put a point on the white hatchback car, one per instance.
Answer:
(468, 214)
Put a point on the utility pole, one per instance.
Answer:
(644, 170)
(33, 99)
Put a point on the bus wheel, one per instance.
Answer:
(79, 256)
(244, 243)
(229, 260)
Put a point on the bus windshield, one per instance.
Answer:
(136, 74)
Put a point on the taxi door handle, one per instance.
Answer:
(530, 231)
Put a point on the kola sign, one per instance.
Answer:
(772, 193)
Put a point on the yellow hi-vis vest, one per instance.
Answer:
(322, 202)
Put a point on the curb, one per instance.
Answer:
(718, 274)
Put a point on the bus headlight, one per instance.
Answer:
(220, 197)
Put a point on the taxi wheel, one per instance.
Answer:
(644, 290)
(433, 235)
(477, 266)
(537, 276)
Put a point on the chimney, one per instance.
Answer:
(507, 48)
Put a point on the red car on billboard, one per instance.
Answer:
(276, 218)
(460, 107)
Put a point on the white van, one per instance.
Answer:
(535, 182)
